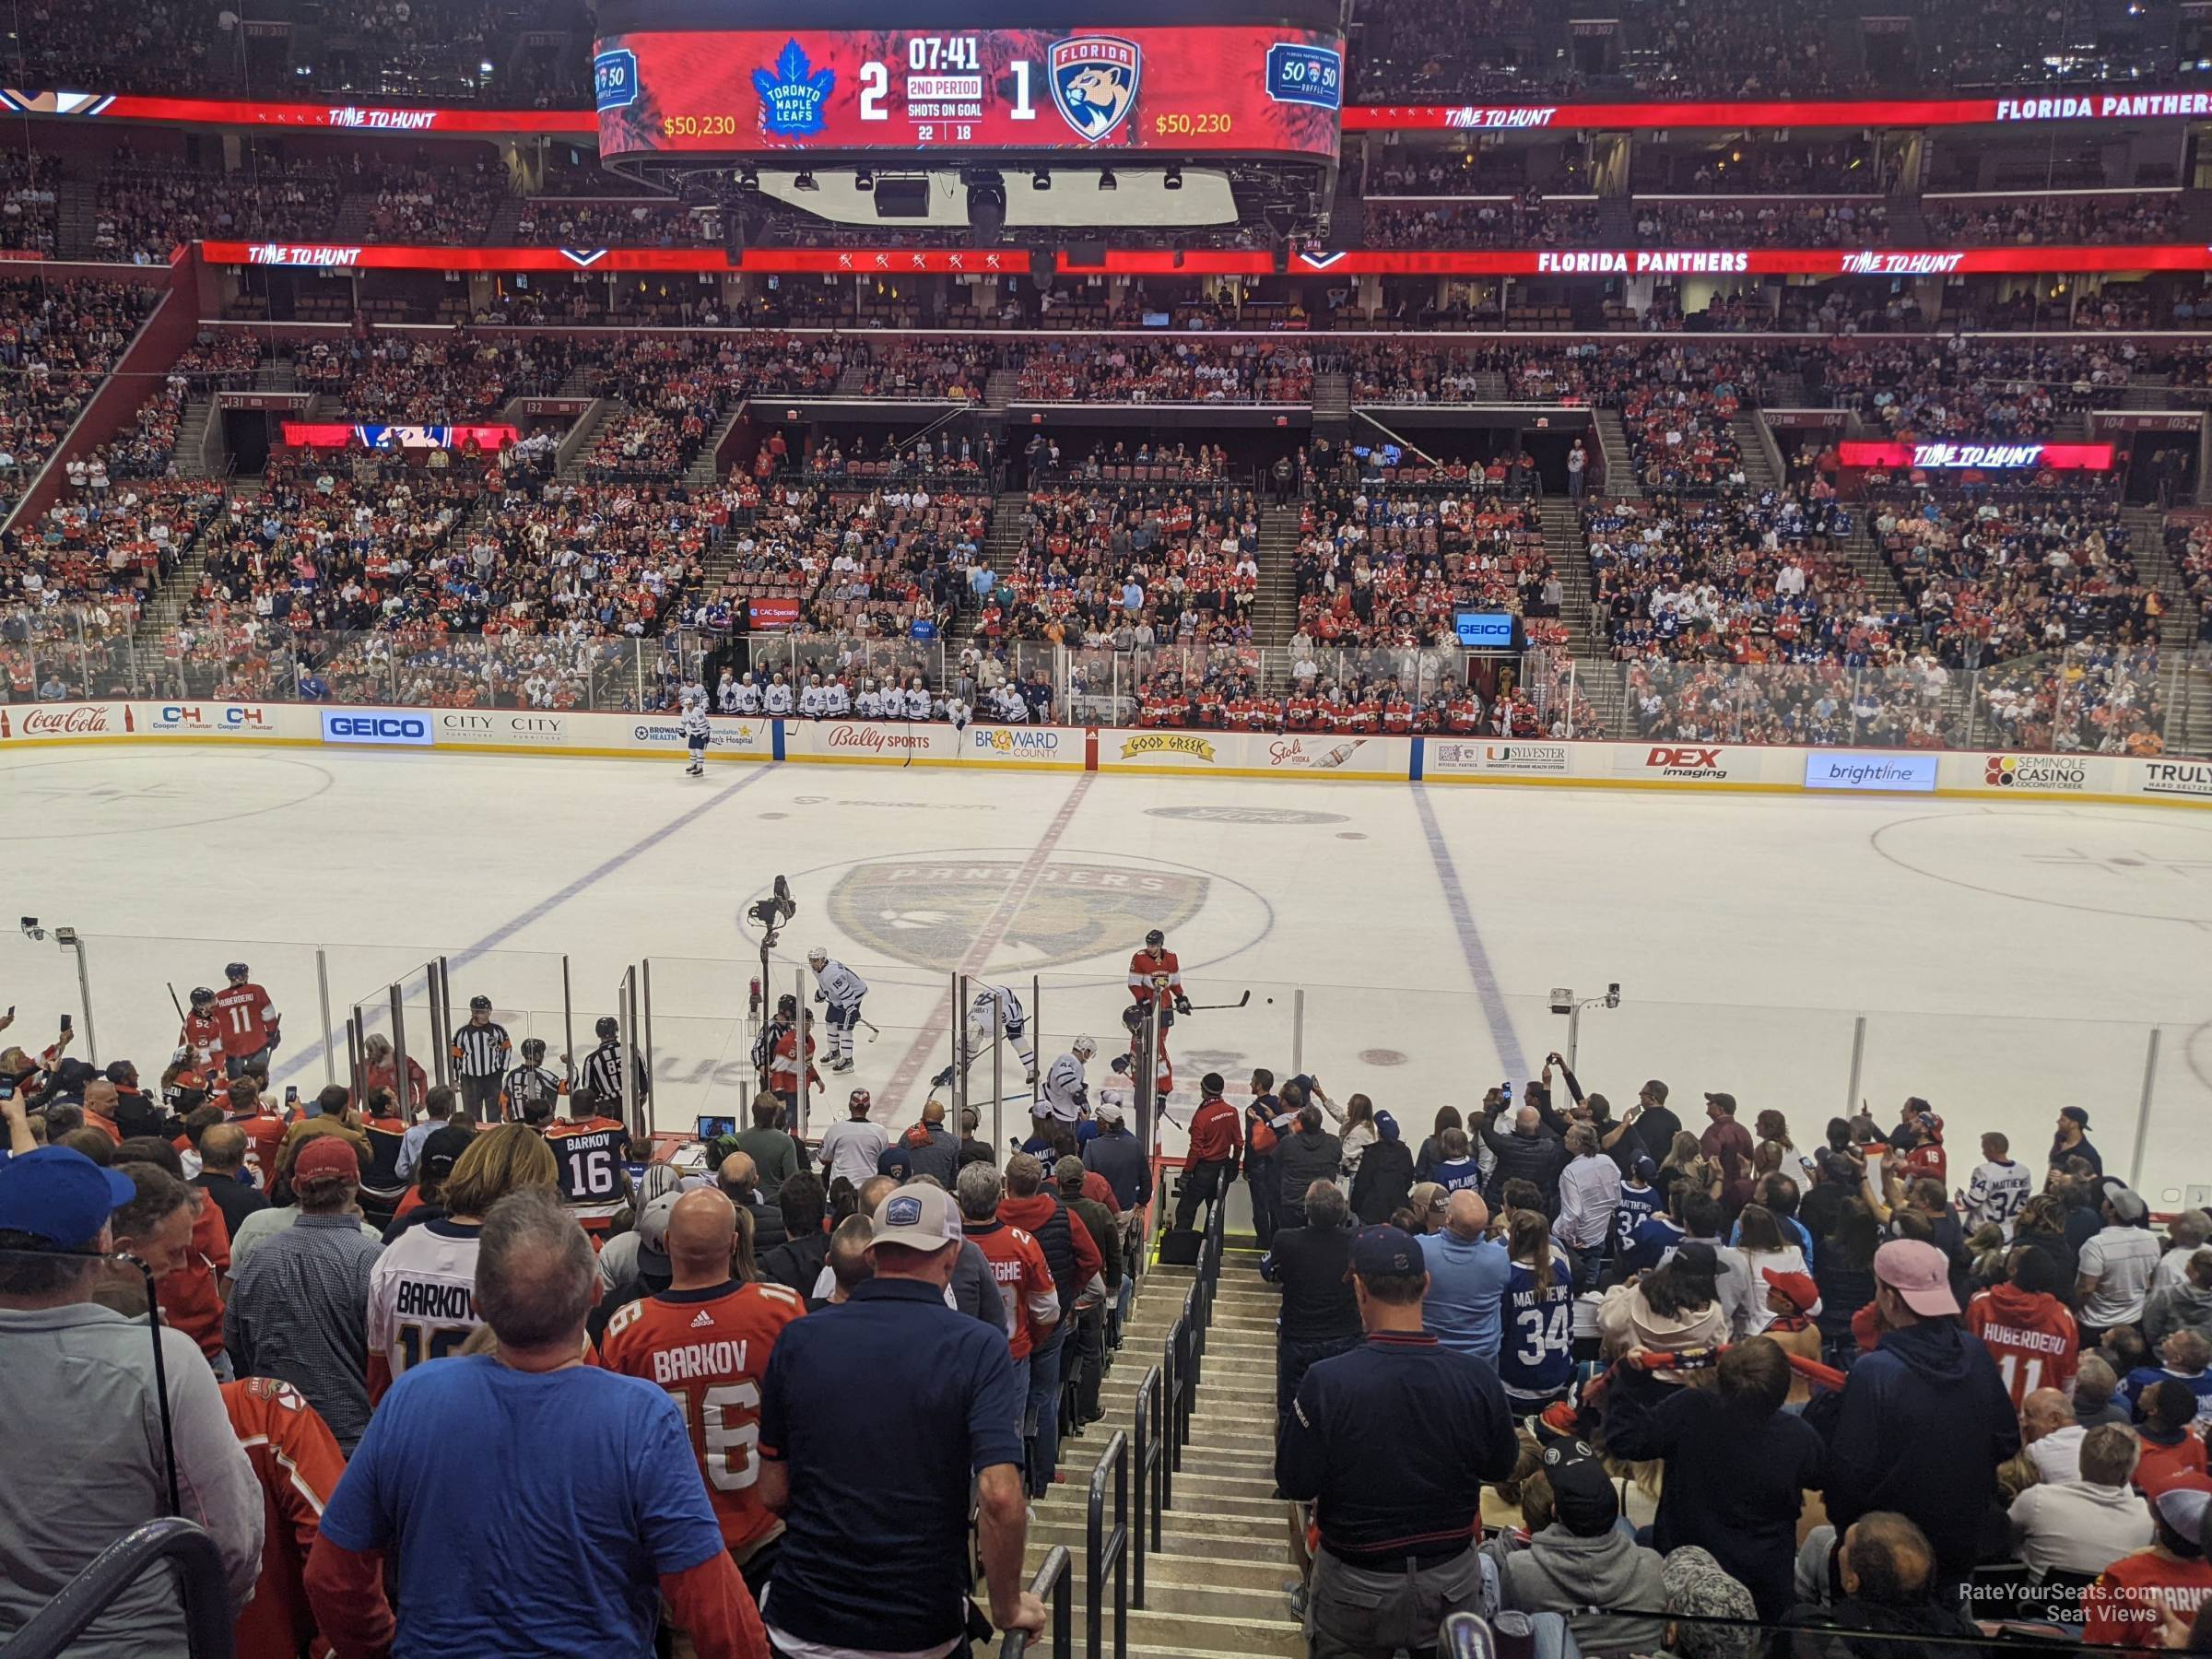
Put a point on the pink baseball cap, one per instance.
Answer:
(1918, 1272)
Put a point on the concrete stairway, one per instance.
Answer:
(1215, 1586)
(1620, 468)
(192, 430)
(703, 473)
(1002, 542)
(76, 218)
(1759, 468)
(1568, 550)
(998, 391)
(572, 447)
(1275, 614)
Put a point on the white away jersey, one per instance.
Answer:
(422, 1294)
(1009, 1009)
(840, 984)
(1066, 1092)
(1997, 1192)
(694, 725)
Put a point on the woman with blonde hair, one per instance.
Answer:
(422, 1291)
(1685, 1163)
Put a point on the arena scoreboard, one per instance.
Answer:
(1143, 80)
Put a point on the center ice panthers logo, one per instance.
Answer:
(1094, 83)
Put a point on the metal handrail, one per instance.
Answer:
(1106, 1550)
(54, 1629)
(1151, 1471)
(1465, 1636)
(1050, 1585)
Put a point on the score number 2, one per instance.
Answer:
(875, 86)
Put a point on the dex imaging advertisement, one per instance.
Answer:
(1234, 88)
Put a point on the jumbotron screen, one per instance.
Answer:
(1206, 88)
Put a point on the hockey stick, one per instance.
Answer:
(873, 1032)
(1214, 1007)
(173, 998)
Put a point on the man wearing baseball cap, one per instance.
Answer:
(1391, 1444)
(299, 1309)
(1925, 1419)
(842, 1458)
(81, 1373)
(2117, 1262)
(2124, 1606)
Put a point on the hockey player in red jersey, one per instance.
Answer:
(1154, 962)
(247, 1019)
(297, 1460)
(203, 1035)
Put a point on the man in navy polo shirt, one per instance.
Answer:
(872, 1485)
(1381, 1441)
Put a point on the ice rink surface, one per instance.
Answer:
(2007, 959)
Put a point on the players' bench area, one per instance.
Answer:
(1694, 765)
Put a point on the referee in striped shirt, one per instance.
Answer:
(480, 1054)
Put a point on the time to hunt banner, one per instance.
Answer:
(1223, 90)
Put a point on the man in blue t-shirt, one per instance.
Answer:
(530, 1498)
(876, 1414)
(1468, 1274)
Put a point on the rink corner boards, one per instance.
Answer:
(1987, 773)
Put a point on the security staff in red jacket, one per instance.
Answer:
(1217, 1136)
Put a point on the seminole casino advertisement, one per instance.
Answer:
(1211, 88)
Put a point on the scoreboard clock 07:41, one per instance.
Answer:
(1242, 89)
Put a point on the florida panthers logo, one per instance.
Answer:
(1094, 83)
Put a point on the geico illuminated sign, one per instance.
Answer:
(345, 726)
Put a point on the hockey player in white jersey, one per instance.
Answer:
(1012, 1022)
(696, 730)
(726, 693)
(777, 699)
(812, 705)
(837, 702)
(838, 986)
(749, 697)
(1066, 1091)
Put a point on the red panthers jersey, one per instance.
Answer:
(710, 1349)
(203, 1038)
(245, 1014)
(296, 1461)
(1145, 967)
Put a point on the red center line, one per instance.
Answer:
(987, 940)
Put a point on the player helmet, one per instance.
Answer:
(817, 955)
(201, 996)
(235, 972)
(861, 1098)
(533, 1049)
(1085, 1046)
(1133, 1018)
(787, 1004)
(1156, 940)
(607, 1027)
(475, 1003)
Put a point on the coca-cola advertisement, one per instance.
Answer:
(48, 721)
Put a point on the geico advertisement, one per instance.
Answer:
(390, 728)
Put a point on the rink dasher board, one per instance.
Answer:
(1982, 774)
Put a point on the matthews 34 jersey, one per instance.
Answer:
(709, 1348)
(1065, 1091)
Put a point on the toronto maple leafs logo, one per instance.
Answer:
(794, 94)
(1094, 82)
